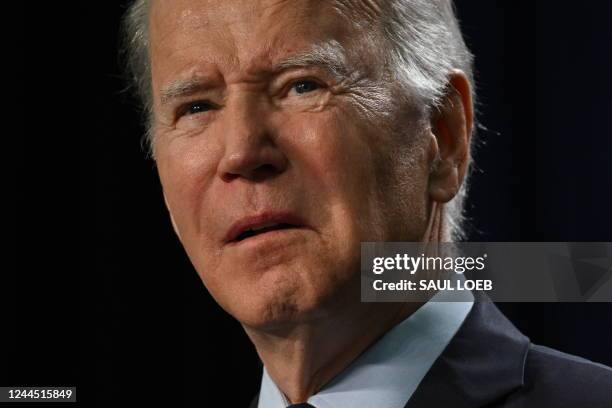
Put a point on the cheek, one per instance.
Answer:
(326, 150)
(408, 171)
(408, 197)
(374, 180)
(186, 167)
(333, 155)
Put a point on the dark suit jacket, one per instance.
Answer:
(489, 363)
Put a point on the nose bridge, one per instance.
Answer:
(245, 117)
(249, 145)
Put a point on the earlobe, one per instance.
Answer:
(451, 128)
(444, 182)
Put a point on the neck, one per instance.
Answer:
(302, 358)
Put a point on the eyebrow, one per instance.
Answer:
(329, 55)
(182, 88)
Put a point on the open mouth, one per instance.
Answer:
(260, 224)
(251, 232)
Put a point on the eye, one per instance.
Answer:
(196, 107)
(305, 86)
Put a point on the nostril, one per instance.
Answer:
(260, 173)
(265, 171)
(227, 177)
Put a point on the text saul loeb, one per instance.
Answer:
(410, 264)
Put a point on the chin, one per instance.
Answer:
(281, 299)
(271, 314)
(278, 306)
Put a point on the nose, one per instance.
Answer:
(251, 151)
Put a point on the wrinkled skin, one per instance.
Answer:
(354, 166)
(274, 149)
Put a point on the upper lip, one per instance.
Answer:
(261, 220)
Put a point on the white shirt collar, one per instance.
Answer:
(387, 373)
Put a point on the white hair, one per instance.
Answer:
(424, 44)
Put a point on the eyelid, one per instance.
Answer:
(311, 73)
(291, 83)
(183, 108)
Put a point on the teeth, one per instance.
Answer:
(267, 225)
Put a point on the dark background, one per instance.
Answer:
(103, 296)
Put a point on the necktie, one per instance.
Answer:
(301, 405)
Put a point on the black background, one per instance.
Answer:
(103, 296)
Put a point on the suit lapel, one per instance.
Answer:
(482, 363)
(254, 401)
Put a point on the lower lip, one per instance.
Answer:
(279, 234)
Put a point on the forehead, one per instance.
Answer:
(239, 33)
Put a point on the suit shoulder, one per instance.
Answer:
(541, 357)
(560, 379)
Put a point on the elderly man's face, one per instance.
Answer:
(277, 155)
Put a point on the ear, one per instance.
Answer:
(176, 231)
(451, 127)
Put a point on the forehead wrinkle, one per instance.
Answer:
(359, 12)
(270, 57)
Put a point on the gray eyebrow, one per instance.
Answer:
(182, 88)
(329, 55)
